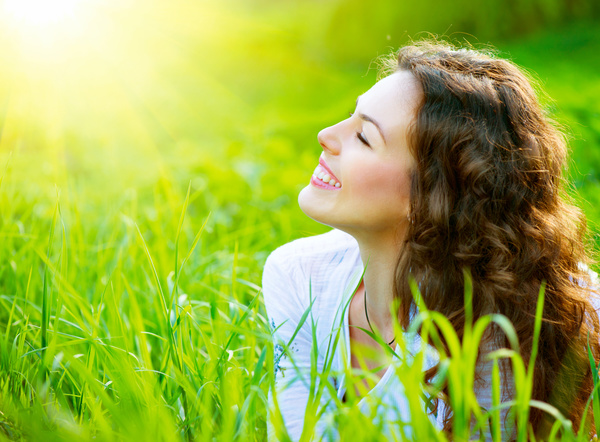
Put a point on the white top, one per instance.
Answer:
(324, 270)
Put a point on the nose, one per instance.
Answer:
(329, 140)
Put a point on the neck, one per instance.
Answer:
(379, 254)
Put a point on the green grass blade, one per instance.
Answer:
(46, 293)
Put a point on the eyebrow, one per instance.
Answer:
(371, 120)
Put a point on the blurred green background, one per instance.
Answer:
(112, 109)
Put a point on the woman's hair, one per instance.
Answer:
(487, 196)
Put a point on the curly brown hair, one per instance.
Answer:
(487, 195)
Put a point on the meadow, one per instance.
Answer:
(150, 159)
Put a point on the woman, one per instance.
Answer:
(449, 163)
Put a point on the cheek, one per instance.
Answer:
(386, 183)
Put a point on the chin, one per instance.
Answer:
(307, 202)
(311, 206)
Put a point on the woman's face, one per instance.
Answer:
(367, 161)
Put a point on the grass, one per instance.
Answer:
(132, 355)
(133, 232)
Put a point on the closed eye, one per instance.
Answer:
(360, 135)
(362, 139)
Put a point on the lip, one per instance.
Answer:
(326, 167)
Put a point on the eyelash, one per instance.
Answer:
(360, 136)
(362, 139)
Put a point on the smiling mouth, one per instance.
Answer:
(322, 178)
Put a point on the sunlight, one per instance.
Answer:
(40, 12)
(107, 69)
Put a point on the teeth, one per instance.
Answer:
(324, 176)
(327, 179)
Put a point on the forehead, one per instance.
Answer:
(393, 101)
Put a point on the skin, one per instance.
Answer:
(369, 155)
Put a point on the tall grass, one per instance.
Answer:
(100, 338)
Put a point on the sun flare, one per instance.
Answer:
(40, 12)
